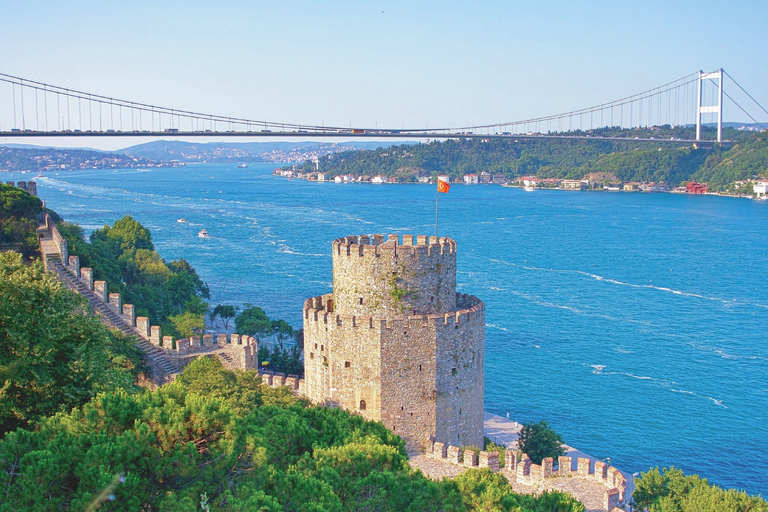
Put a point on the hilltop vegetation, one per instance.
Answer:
(517, 156)
(220, 438)
(169, 293)
(18, 219)
(669, 490)
(54, 354)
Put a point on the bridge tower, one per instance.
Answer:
(711, 108)
(395, 343)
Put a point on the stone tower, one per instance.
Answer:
(395, 343)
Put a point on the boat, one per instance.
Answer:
(203, 233)
(242, 166)
(529, 188)
(182, 220)
(40, 174)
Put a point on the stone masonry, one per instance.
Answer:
(395, 343)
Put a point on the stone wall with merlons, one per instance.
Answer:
(395, 343)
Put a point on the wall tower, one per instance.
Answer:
(395, 343)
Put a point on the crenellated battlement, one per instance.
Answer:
(377, 274)
(524, 471)
(316, 310)
(390, 245)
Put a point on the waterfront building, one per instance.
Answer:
(694, 187)
(572, 184)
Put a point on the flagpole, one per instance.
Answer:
(437, 195)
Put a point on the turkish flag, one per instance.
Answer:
(443, 186)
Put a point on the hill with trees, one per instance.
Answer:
(18, 219)
(54, 354)
(520, 156)
(169, 293)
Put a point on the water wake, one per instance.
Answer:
(632, 285)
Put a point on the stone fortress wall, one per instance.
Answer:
(234, 351)
(523, 471)
(29, 186)
(395, 343)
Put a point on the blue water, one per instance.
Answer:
(636, 324)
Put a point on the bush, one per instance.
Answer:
(539, 440)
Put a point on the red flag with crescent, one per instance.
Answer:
(442, 186)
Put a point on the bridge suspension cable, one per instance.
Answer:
(674, 104)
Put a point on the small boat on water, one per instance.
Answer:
(529, 188)
(203, 233)
(182, 220)
(40, 174)
(242, 166)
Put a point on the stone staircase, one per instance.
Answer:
(156, 358)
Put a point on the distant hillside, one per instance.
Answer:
(225, 152)
(742, 161)
(49, 159)
(520, 156)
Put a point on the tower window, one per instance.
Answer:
(419, 367)
(311, 355)
(362, 405)
(454, 371)
(347, 364)
(361, 300)
(315, 346)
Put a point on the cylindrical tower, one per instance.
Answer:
(377, 276)
(395, 343)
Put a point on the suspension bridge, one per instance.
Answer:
(30, 108)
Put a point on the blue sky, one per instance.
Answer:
(388, 63)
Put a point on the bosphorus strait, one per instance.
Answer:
(634, 323)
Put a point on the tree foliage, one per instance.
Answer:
(669, 490)
(124, 256)
(54, 355)
(539, 440)
(253, 321)
(225, 313)
(18, 210)
(221, 435)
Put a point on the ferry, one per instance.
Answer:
(203, 233)
(182, 220)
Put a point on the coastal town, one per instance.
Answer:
(756, 188)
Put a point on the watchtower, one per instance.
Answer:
(395, 342)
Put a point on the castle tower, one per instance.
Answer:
(395, 343)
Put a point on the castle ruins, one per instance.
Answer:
(395, 343)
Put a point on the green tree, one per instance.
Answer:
(54, 355)
(18, 211)
(225, 313)
(282, 331)
(669, 490)
(539, 440)
(187, 324)
(253, 321)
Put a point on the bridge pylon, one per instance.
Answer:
(701, 109)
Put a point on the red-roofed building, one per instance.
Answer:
(694, 187)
